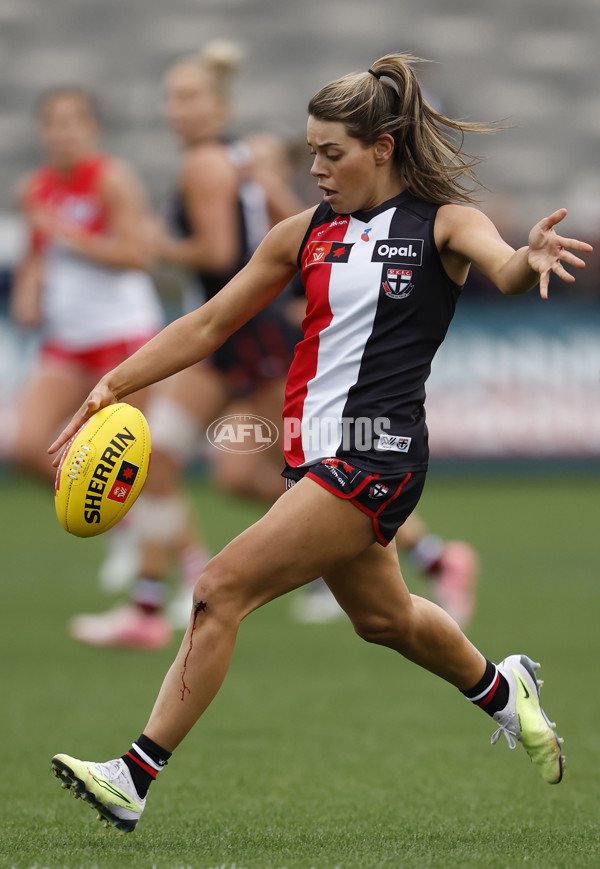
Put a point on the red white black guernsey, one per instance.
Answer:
(379, 304)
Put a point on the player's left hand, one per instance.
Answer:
(100, 396)
(547, 249)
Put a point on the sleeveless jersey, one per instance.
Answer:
(73, 196)
(86, 304)
(261, 350)
(379, 304)
(252, 223)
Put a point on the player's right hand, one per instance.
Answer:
(100, 396)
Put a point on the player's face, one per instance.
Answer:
(192, 107)
(347, 171)
(67, 129)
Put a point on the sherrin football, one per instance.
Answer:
(102, 470)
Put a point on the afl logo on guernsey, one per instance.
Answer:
(397, 283)
(327, 252)
(402, 251)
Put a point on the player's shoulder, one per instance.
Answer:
(23, 185)
(113, 169)
(117, 180)
(295, 226)
(30, 180)
(453, 218)
(456, 212)
(205, 162)
(286, 237)
(33, 175)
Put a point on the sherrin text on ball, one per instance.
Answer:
(102, 470)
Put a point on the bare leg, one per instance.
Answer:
(371, 590)
(288, 547)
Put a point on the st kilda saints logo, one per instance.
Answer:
(378, 490)
(397, 283)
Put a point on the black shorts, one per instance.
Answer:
(258, 353)
(388, 500)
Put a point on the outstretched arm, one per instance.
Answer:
(195, 336)
(465, 235)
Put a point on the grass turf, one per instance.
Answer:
(320, 751)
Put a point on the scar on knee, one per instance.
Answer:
(200, 606)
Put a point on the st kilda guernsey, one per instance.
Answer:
(379, 304)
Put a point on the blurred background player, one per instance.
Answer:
(224, 204)
(83, 276)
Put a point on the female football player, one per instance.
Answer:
(383, 259)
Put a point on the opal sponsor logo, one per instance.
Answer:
(401, 251)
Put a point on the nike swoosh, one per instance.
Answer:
(103, 783)
(524, 686)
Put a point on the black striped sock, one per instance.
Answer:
(144, 760)
(491, 692)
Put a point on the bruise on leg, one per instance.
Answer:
(200, 606)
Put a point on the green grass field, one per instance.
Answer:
(320, 751)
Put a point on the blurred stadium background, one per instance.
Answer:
(534, 64)
(526, 373)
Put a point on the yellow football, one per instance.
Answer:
(102, 470)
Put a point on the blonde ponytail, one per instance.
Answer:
(220, 59)
(223, 59)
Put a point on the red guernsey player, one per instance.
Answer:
(83, 278)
